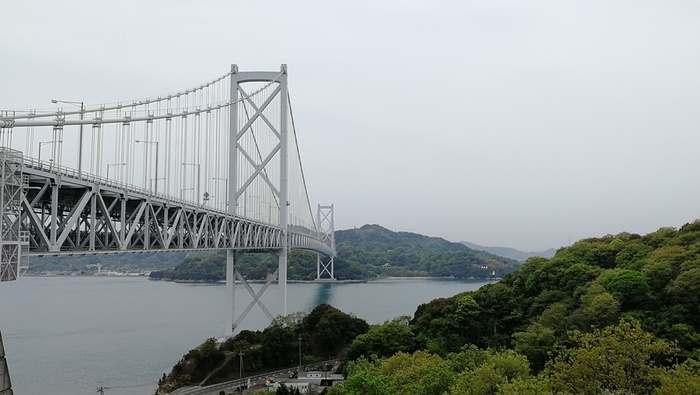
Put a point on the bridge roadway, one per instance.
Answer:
(70, 214)
(232, 385)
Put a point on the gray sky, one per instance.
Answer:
(526, 124)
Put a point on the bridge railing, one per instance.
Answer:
(50, 167)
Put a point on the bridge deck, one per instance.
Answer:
(68, 214)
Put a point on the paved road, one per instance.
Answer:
(232, 385)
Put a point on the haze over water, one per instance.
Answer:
(69, 335)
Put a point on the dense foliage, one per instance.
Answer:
(363, 253)
(616, 314)
(326, 331)
(619, 359)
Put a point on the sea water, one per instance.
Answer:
(71, 335)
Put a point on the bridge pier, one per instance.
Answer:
(282, 281)
(230, 292)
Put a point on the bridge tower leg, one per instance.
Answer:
(284, 190)
(326, 229)
(230, 292)
(248, 173)
(232, 206)
(14, 243)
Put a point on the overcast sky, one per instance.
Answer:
(527, 124)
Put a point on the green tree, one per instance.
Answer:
(498, 369)
(674, 256)
(384, 340)
(531, 385)
(621, 358)
(555, 316)
(364, 378)
(682, 379)
(629, 287)
(686, 290)
(329, 330)
(418, 373)
(278, 347)
(633, 256)
(470, 358)
(602, 310)
(535, 343)
(658, 275)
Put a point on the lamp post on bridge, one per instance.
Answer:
(198, 174)
(41, 143)
(80, 144)
(113, 164)
(156, 144)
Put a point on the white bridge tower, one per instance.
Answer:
(326, 230)
(258, 173)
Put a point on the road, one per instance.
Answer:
(232, 385)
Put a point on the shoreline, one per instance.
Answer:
(376, 279)
(321, 281)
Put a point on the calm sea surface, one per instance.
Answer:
(70, 335)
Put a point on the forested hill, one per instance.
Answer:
(404, 253)
(363, 253)
(653, 278)
(619, 314)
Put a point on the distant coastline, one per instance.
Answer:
(355, 281)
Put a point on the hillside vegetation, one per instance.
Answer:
(325, 331)
(617, 315)
(363, 253)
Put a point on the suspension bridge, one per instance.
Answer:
(213, 167)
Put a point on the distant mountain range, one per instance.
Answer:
(511, 253)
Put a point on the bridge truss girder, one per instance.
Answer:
(67, 216)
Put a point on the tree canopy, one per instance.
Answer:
(615, 314)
